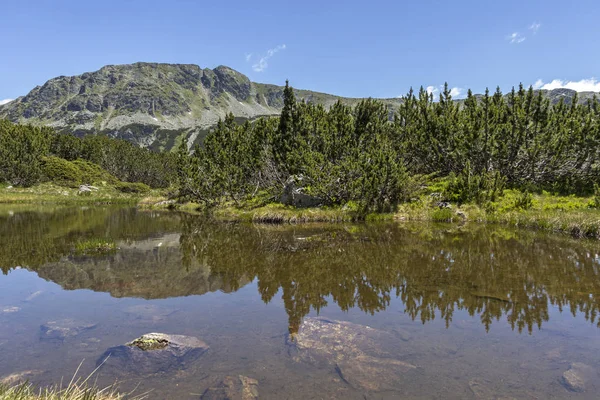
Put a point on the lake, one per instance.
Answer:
(352, 311)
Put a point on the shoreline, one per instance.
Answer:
(569, 215)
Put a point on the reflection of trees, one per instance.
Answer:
(489, 272)
(32, 239)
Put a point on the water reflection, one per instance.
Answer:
(494, 273)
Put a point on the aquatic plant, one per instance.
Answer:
(95, 246)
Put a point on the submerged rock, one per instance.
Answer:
(364, 357)
(20, 377)
(153, 353)
(63, 329)
(233, 388)
(578, 376)
(10, 310)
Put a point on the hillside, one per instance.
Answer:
(159, 105)
(153, 105)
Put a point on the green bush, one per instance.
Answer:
(596, 199)
(442, 215)
(61, 171)
(480, 187)
(93, 172)
(128, 187)
(74, 173)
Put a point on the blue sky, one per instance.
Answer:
(349, 48)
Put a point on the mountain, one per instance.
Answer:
(159, 105)
(153, 105)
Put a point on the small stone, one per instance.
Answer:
(233, 388)
(64, 329)
(577, 376)
(34, 295)
(20, 377)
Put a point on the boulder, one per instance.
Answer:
(294, 195)
(233, 388)
(578, 377)
(63, 329)
(153, 353)
(364, 357)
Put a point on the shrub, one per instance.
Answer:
(61, 171)
(481, 187)
(128, 187)
(442, 215)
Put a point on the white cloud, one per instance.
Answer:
(262, 62)
(456, 91)
(535, 27)
(432, 90)
(2, 102)
(516, 38)
(583, 85)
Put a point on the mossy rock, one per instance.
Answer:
(153, 353)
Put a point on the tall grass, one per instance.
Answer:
(77, 389)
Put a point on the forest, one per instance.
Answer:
(374, 159)
(366, 156)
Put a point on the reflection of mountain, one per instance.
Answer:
(34, 238)
(492, 273)
(150, 269)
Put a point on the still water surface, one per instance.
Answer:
(404, 310)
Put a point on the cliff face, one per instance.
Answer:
(153, 105)
(160, 105)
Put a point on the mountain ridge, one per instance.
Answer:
(158, 105)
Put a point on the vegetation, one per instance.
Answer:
(30, 155)
(490, 157)
(95, 247)
(362, 156)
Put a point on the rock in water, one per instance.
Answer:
(153, 353)
(362, 356)
(20, 377)
(233, 388)
(63, 329)
(578, 376)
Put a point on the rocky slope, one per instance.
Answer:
(160, 105)
(154, 105)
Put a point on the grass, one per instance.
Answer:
(77, 389)
(95, 247)
(49, 193)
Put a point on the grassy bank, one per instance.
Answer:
(49, 193)
(571, 215)
(26, 391)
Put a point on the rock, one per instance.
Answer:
(34, 295)
(87, 188)
(64, 329)
(233, 388)
(293, 194)
(20, 377)
(578, 376)
(153, 353)
(403, 334)
(148, 313)
(364, 357)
